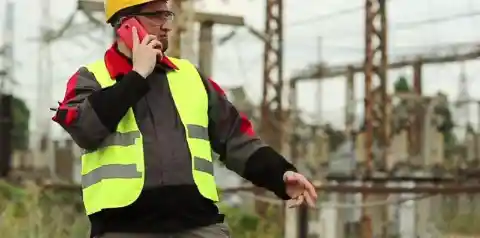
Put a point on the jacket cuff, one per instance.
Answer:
(138, 83)
(111, 103)
(265, 168)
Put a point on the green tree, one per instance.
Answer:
(401, 85)
(446, 126)
(21, 117)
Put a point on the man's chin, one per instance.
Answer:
(164, 46)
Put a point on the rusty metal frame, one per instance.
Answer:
(272, 129)
(375, 64)
(438, 188)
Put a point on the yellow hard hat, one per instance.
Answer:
(114, 6)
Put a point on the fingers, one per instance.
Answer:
(295, 202)
(309, 188)
(310, 200)
(287, 175)
(299, 200)
(148, 39)
(159, 53)
(301, 189)
(309, 192)
(302, 181)
(135, 39)
(156, 44)
(291, 178)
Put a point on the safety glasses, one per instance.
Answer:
(158, 17)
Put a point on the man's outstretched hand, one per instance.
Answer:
(299, 189)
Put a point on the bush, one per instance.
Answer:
(249, 225)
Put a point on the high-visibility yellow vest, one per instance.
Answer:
(113, 175)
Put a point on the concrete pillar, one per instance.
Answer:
(350, 101)
(291, 224)
(174, 48)
(206, 48)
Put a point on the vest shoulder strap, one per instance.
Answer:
(181, 64)
(100, 71)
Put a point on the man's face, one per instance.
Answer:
(157, 20)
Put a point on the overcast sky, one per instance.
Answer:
(239, 62)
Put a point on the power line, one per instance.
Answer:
(337, 205)
(411, 24)
(409, 48)
(399, 26)
(318, 18)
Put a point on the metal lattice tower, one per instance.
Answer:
(375, 65)
(272, 127)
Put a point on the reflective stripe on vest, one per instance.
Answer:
(113, 175)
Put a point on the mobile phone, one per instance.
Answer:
(125, 31)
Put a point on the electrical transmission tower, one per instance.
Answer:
(272, 128)
(375, 64)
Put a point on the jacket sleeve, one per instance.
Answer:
(240, 149)
(89, 113)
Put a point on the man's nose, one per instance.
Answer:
(167, 26)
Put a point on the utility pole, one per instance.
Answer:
(416, 124)
(350, 106)
(319, 93)
(477, 135)
(375, 63)
(463, 98)
(43, 147)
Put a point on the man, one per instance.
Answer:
(148, 128)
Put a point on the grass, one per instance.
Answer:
(28, 212)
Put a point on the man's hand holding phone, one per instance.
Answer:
(145, 53)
